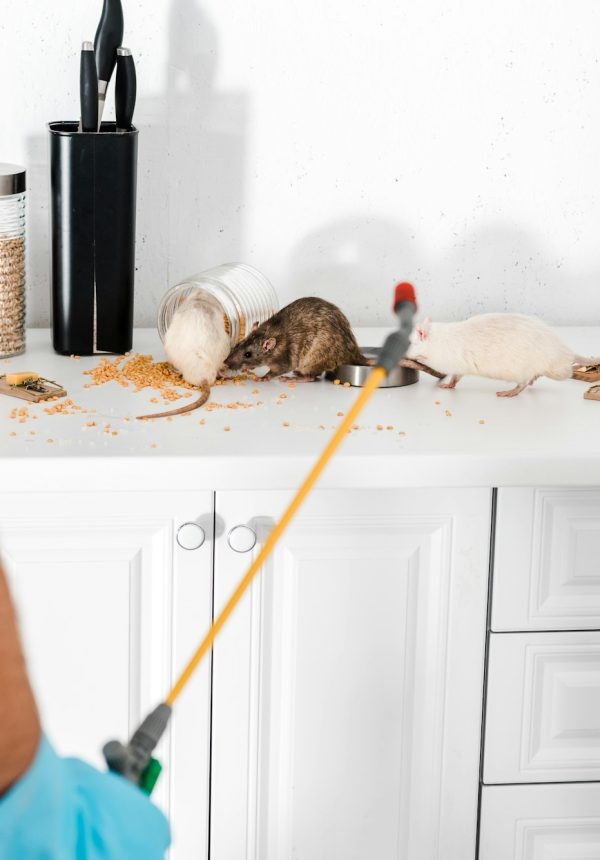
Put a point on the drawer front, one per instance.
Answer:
(542, 822)
(543, 708)
(547, 559)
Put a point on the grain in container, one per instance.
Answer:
(12, 260)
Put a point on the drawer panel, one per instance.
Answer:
(545, 822)
(543, 708)
(547, 559)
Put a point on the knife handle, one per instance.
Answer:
(109, 36)
(88, 88)
(125, 89)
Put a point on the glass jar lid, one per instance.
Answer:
(12, 179)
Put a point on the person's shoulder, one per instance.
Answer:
(116, 815)
(63, 807)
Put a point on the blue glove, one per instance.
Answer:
(63, 809)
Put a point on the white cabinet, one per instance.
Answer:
(545, 822)
(110, 608)
(347, 687)
(543, 708)
(547, 559)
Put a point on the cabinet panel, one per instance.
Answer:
(347, 688)
(549, 822)
(547, 559)
(543, 708)
(110, 607)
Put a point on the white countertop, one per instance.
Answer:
(548, 435)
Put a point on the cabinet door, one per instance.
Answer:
(543, 707)
(110, 607)
(541, 822)
(547, 559)
(347, 687)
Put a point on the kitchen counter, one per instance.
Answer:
(548, 435)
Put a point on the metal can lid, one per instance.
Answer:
(12, 179)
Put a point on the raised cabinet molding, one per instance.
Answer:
(347, 687)
(543, 708)
(547, 559)
(546, 822)
(110, 607)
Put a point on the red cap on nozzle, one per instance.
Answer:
(404, 292)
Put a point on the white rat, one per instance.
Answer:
(513, 347)
(197, 344)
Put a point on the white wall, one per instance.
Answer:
(339, 145)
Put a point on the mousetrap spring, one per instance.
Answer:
(30, 386)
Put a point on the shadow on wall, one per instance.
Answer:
(190, 173)
(356, 261)
(206, 150)
(351, 263)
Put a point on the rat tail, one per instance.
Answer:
(204, 388)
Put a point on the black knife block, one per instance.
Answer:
(92, 211)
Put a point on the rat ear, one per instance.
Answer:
(269, 344)
(423, 329)
(255, 326)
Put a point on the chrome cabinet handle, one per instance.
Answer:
(190, 536)
(241, 538)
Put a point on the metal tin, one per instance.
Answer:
(357, 374)
(12, 179)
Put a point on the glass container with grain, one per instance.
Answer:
(244, 293)
(12, 260)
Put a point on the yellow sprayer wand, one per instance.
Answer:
(134, 759)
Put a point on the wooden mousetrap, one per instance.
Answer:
(30, 386)
(593, 393)
(588, 374)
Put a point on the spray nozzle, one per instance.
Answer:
(396, 344)
(134, 760)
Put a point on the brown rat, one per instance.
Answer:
(307, 337)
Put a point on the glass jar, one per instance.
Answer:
(245, 295)
(12, 260)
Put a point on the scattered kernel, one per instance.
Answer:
(321, 426)
(390, 427)
(154, 445)
(481, 421)
(12, 433)
(380, 426)
(336, 381)
(255, 391)
(227, 428)
(346, 385)
(50, 440)
(286, 423)
(438, 402)
(339, 414)
(154, 400)
(401, 433)
(283, 396)
(448, 414)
